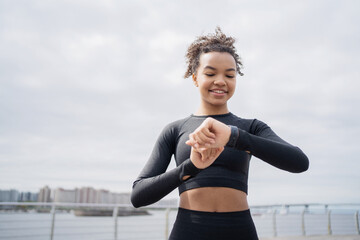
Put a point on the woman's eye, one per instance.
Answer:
(229, 76)
(209, 74)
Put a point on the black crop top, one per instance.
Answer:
(230, 169)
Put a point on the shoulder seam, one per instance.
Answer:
(179, 126)
(185, 120)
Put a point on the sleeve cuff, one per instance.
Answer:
(189, 169)
(243, 141)
(233, 136)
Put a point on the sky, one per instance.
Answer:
(87, 86)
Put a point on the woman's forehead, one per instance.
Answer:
(217, 60)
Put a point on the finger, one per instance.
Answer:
(215, 152)
(205, 127)
(206, 131)
(190, 143)
(196, 155)
(202, 138)
(209, 133)
(192, 140)
(209, 137)
(204, 152)
(210, 154)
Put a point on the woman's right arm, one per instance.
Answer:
(154, 182)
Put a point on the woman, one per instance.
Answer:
(212, 150)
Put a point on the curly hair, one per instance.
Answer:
(217, 42)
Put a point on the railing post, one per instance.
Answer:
(115, 216)
(53, 209)
(274, 223)
(329, 223)
(303, 223)
(167, 211)
(357, 222)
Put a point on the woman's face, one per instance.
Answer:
(216, 78)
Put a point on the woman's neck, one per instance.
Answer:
(212, 110)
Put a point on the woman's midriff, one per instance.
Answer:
(214, 199)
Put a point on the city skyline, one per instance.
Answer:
(75, 195)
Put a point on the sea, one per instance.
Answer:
(157, 225)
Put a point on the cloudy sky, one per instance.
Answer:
(87, 86)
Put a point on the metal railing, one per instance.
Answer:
(54, 221)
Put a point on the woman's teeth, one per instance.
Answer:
(218, 91)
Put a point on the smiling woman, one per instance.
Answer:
(216, 80)
(212, 150)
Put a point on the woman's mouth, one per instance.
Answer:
(218, 92)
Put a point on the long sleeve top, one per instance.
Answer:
(230, 169)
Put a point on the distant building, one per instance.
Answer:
(103, 196)
(11, 195)
(86, 195)
(44, 194)
(28, 197)
(62, 195)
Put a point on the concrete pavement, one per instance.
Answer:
(322, 237)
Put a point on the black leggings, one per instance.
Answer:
(197, 225)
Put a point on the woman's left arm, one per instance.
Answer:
(261, 141)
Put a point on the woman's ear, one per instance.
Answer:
(195, 80)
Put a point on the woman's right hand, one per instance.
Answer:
(210, 134)
(204, 157)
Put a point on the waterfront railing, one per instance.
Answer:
(56, 221)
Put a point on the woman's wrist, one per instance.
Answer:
(234, 135)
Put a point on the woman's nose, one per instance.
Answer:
(219, 81)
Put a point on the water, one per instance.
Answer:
(37, 226)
